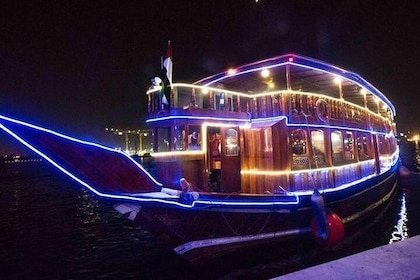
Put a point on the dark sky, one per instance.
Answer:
(78, 67)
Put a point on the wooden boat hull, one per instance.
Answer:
(200, 235)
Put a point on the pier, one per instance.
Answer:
(398, 260)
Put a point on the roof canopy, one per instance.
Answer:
(298, 73)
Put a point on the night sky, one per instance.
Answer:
(80, 67)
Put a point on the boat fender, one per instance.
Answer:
(319, 225)
(188, 195)
(335, 229)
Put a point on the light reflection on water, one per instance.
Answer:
(50, 224)
(401, 229)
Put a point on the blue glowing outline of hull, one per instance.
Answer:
(133, 197)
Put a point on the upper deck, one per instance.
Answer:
(304, 90)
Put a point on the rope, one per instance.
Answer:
(236, 232)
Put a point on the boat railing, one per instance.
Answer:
(308, 179)
(300, 107)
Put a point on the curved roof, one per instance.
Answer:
(306, 74)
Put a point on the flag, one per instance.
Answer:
(167, 75)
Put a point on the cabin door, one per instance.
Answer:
(224, 159)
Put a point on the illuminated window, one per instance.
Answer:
(348, 146)
(318, 146)
(194, 137)
(362, 146)
(163, 137)
(179, 138)
(298, 140)
(337, 146)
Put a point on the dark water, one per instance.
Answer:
(51, 229)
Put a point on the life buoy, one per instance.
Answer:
(322, 110)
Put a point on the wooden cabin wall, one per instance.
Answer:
(231, 160)
(265, 149)
(170, 171)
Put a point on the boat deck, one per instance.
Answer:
(399, 260)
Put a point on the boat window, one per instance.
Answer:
(348, 146)
(194, 137)
(362, 146)
(382, 145)
(232, 145)
(179, 138)
(392, 144)
(318, 146)
(337, 146)
(163, 139)
(298, 138)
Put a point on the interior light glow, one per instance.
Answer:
(337, 80)
(232, 71)
(265, 73)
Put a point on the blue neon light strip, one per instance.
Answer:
(261, 120)
(196, 118)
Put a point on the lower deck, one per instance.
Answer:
(269, 157)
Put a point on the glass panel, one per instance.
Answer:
(194, 137)
(180, 138)
(348, 146)
(337, 146)
(362, 146)
(298, 138)
(163, 139)
(318, 146)
(231, 137)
